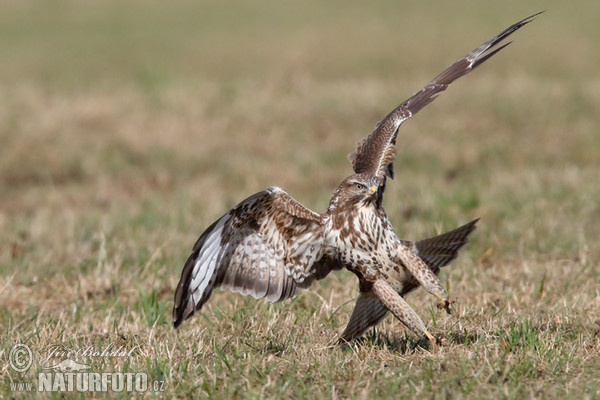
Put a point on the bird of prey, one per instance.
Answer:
(270, 246)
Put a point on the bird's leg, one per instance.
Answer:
(424, 275)
(400, 308)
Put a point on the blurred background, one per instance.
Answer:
(127, 127)
(117, 111)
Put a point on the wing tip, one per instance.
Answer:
(177, 320)
(181, 308)
(183, 303)
(487, 50)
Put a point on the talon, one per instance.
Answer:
(434, 341)
(445, 304)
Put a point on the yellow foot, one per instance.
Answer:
(434, 341)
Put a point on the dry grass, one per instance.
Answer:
(126, 130)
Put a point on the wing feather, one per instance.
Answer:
(264, 247)
(442, 250)
(375, 155)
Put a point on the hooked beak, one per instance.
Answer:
(373, 190)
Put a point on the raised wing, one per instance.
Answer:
(267, 246)
(375, 154)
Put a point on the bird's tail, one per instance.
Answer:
(441, 250)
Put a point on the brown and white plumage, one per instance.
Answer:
(265, 247)
(270, 246)
(438, 251)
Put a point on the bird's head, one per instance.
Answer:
(356, 189)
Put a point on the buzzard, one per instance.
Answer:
(270, 246)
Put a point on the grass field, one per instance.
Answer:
(126, 128)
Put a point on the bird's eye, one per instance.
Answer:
(360, 186)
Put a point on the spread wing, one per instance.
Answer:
(375, 154)
(267, 246)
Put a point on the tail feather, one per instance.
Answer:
(367, 312)
(441, 250)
